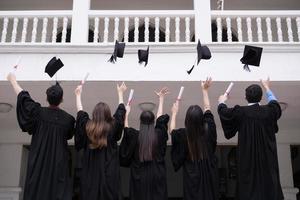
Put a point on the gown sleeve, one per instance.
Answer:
(179, 149)
(275, 113)
(162, 125)
(209, 120)
(229, 119)
(27, 112)
(127, 146)
(119, 117)
(81, 139)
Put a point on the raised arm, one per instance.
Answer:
(205, 85)
(78, 92)
(269, 93)
(174, 115)
(128, 108)
(11, 77)
(121, 89)
(161, 95)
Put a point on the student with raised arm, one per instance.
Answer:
(47, 175)
(258, 171)
(144, 151)
(98, 136)
(193, 149)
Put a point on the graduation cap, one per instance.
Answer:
(118, 52)
(252, 56)
(203, 52)
(53, 66)
(143, 56)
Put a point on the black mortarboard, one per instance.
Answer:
(118, 52)
(53, 66)
(203, 52)
(143, 56)
(252, 56)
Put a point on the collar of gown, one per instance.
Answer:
(251, 104)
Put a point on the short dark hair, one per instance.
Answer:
(55, 94)
(254, 93)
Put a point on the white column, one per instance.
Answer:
(202, 21)
(286, 171)
(80, 21)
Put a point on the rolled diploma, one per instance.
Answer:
(130, 96)
(180, 93)
(229, 88)
(85, 78)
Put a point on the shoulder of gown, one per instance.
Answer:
(179, 148)
(81, 138)
(119, 117)
(161, 126)
(27, 112)
(127, 146)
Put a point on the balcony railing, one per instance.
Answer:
(34, 26)
(257, 26)
(149, 27)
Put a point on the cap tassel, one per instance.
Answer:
(246, 68)
(190, 71)
(112, 59)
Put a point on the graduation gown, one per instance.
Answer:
(48, 173)
(200, 178)
(147, 179)
(100, 173)
(258, 172)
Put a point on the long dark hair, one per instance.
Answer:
(195, 129)
(147, 136)
(99, 126)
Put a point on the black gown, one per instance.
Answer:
(100, 174)
(200, 178)
(48, 173)
(147, 179)
(258, 172)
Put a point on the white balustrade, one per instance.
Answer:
(177, 29)
(54, 30)
(156, 29)
(279, 30)
(24, 30)
(14, 31)
(126, 29)
(153, 21)
(280, 23)
(64, 31)
(219, 29)
(298, 27)
(290, 31)
(34, 30)
(269, 30)
(187, 29)
(31, 26)
(136, 29)
(116, 31)
(229, 33)
(146, 29)
(96, 30)
(44, 31)
(239, 27)
(259, 30)
(106, 25)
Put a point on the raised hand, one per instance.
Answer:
(78, 90)
(163, 92)
(11, 76)
(223, 98)
(266, 83)
(121, 88)
(175, 108)
(206, 84)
